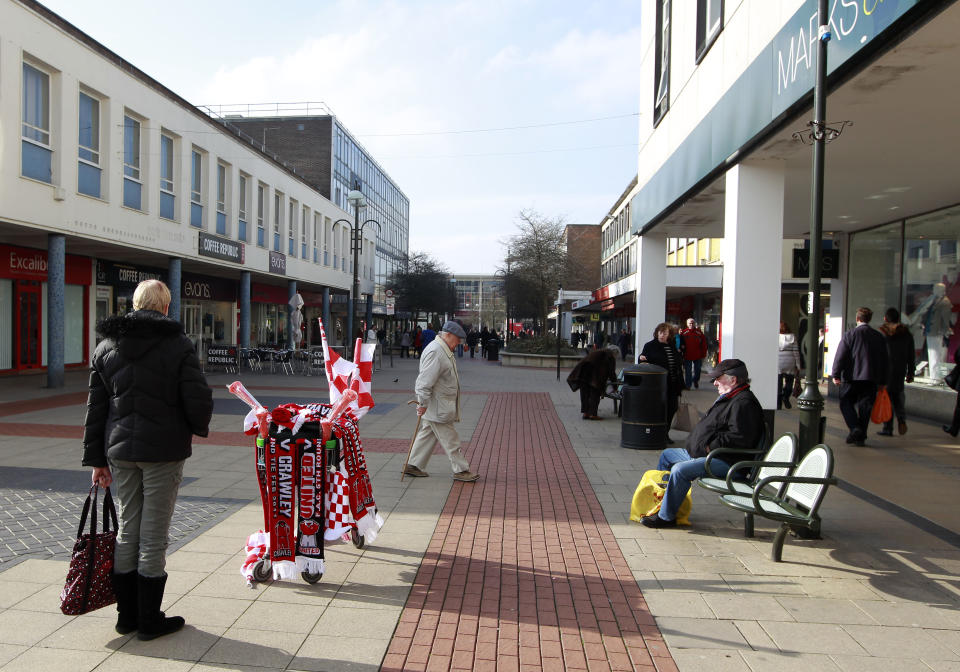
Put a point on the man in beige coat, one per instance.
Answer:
(438, 405)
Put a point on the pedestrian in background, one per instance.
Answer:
(788, 365)
(438, 405)
(590, 377)
(623, 342)
(472, 339)
(661, 351)
(901, 357)
(859, 366)
(147, 399)
(405, 341)
(694, 348)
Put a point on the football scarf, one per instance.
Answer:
(312, 477)
(281, 515)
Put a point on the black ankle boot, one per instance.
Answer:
(125, 588)
(152, 622)
(952, 431)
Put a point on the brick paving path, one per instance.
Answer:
(523, 571)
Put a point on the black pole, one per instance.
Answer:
(559, 304)
(810, 403)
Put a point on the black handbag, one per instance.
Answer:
(89, 584)
(952, 379)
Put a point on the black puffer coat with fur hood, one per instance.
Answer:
(148, 395)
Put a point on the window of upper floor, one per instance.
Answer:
(661, 66)
(709, 25)
(132, 168)
(89, 170)
(36, 147)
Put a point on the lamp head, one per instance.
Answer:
(356, 198)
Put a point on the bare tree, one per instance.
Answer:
(537, 262)
(423, 287)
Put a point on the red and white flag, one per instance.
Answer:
(357, 374)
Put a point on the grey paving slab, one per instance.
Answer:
(812, 638)
(874, 664)
(715, 660)
(890, 642)
(737, 606)
(765, 661)
(700, 633)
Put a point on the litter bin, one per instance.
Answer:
(644, 404)
(493, 350)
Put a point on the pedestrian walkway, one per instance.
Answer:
(535, 566)
(522, 571)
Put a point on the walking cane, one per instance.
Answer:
(403, 472)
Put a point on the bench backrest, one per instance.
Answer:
(784, 449)
(818, 463)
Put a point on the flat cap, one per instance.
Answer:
(452, 327)
(733, 367)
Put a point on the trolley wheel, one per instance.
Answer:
(261, 571)
(356, 537)
(310, 577)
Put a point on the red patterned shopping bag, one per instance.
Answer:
(89, 584)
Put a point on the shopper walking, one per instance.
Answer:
(438, 405)
(788, 365)
(901, 361)
(859, 366)
(694, 347)
(147, 398)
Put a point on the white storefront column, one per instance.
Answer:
(651, 288)
(752, 266)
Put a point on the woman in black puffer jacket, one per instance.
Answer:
(147, 398)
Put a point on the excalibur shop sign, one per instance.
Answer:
(278, 263)
(219, 248)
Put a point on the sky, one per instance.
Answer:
(477, 109)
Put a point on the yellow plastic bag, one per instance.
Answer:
(649, 495)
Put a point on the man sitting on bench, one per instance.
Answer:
(734, 421)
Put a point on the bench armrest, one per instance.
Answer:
(758, 488)
(753, 463)
(720, 452)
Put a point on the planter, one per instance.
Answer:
(508, 358)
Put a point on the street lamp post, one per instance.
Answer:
(355, 197)
(810, 402)
(559, 319)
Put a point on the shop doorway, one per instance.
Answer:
(28, 324)
(191, 324)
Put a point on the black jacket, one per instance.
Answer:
(901, 354)
(656, 353)
(147, 395)
(734, 421)
(861, 356)
(594, 370)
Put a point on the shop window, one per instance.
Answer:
(88, 146)
(36, 150)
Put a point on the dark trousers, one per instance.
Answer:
(897, 400)
(856, 403)
(472, 349)
(589, 400)
(784, 388)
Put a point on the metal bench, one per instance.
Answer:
(744, 476)
(797, 505)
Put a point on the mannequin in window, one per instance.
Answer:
(935, 318)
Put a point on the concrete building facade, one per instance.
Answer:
(107, 177)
